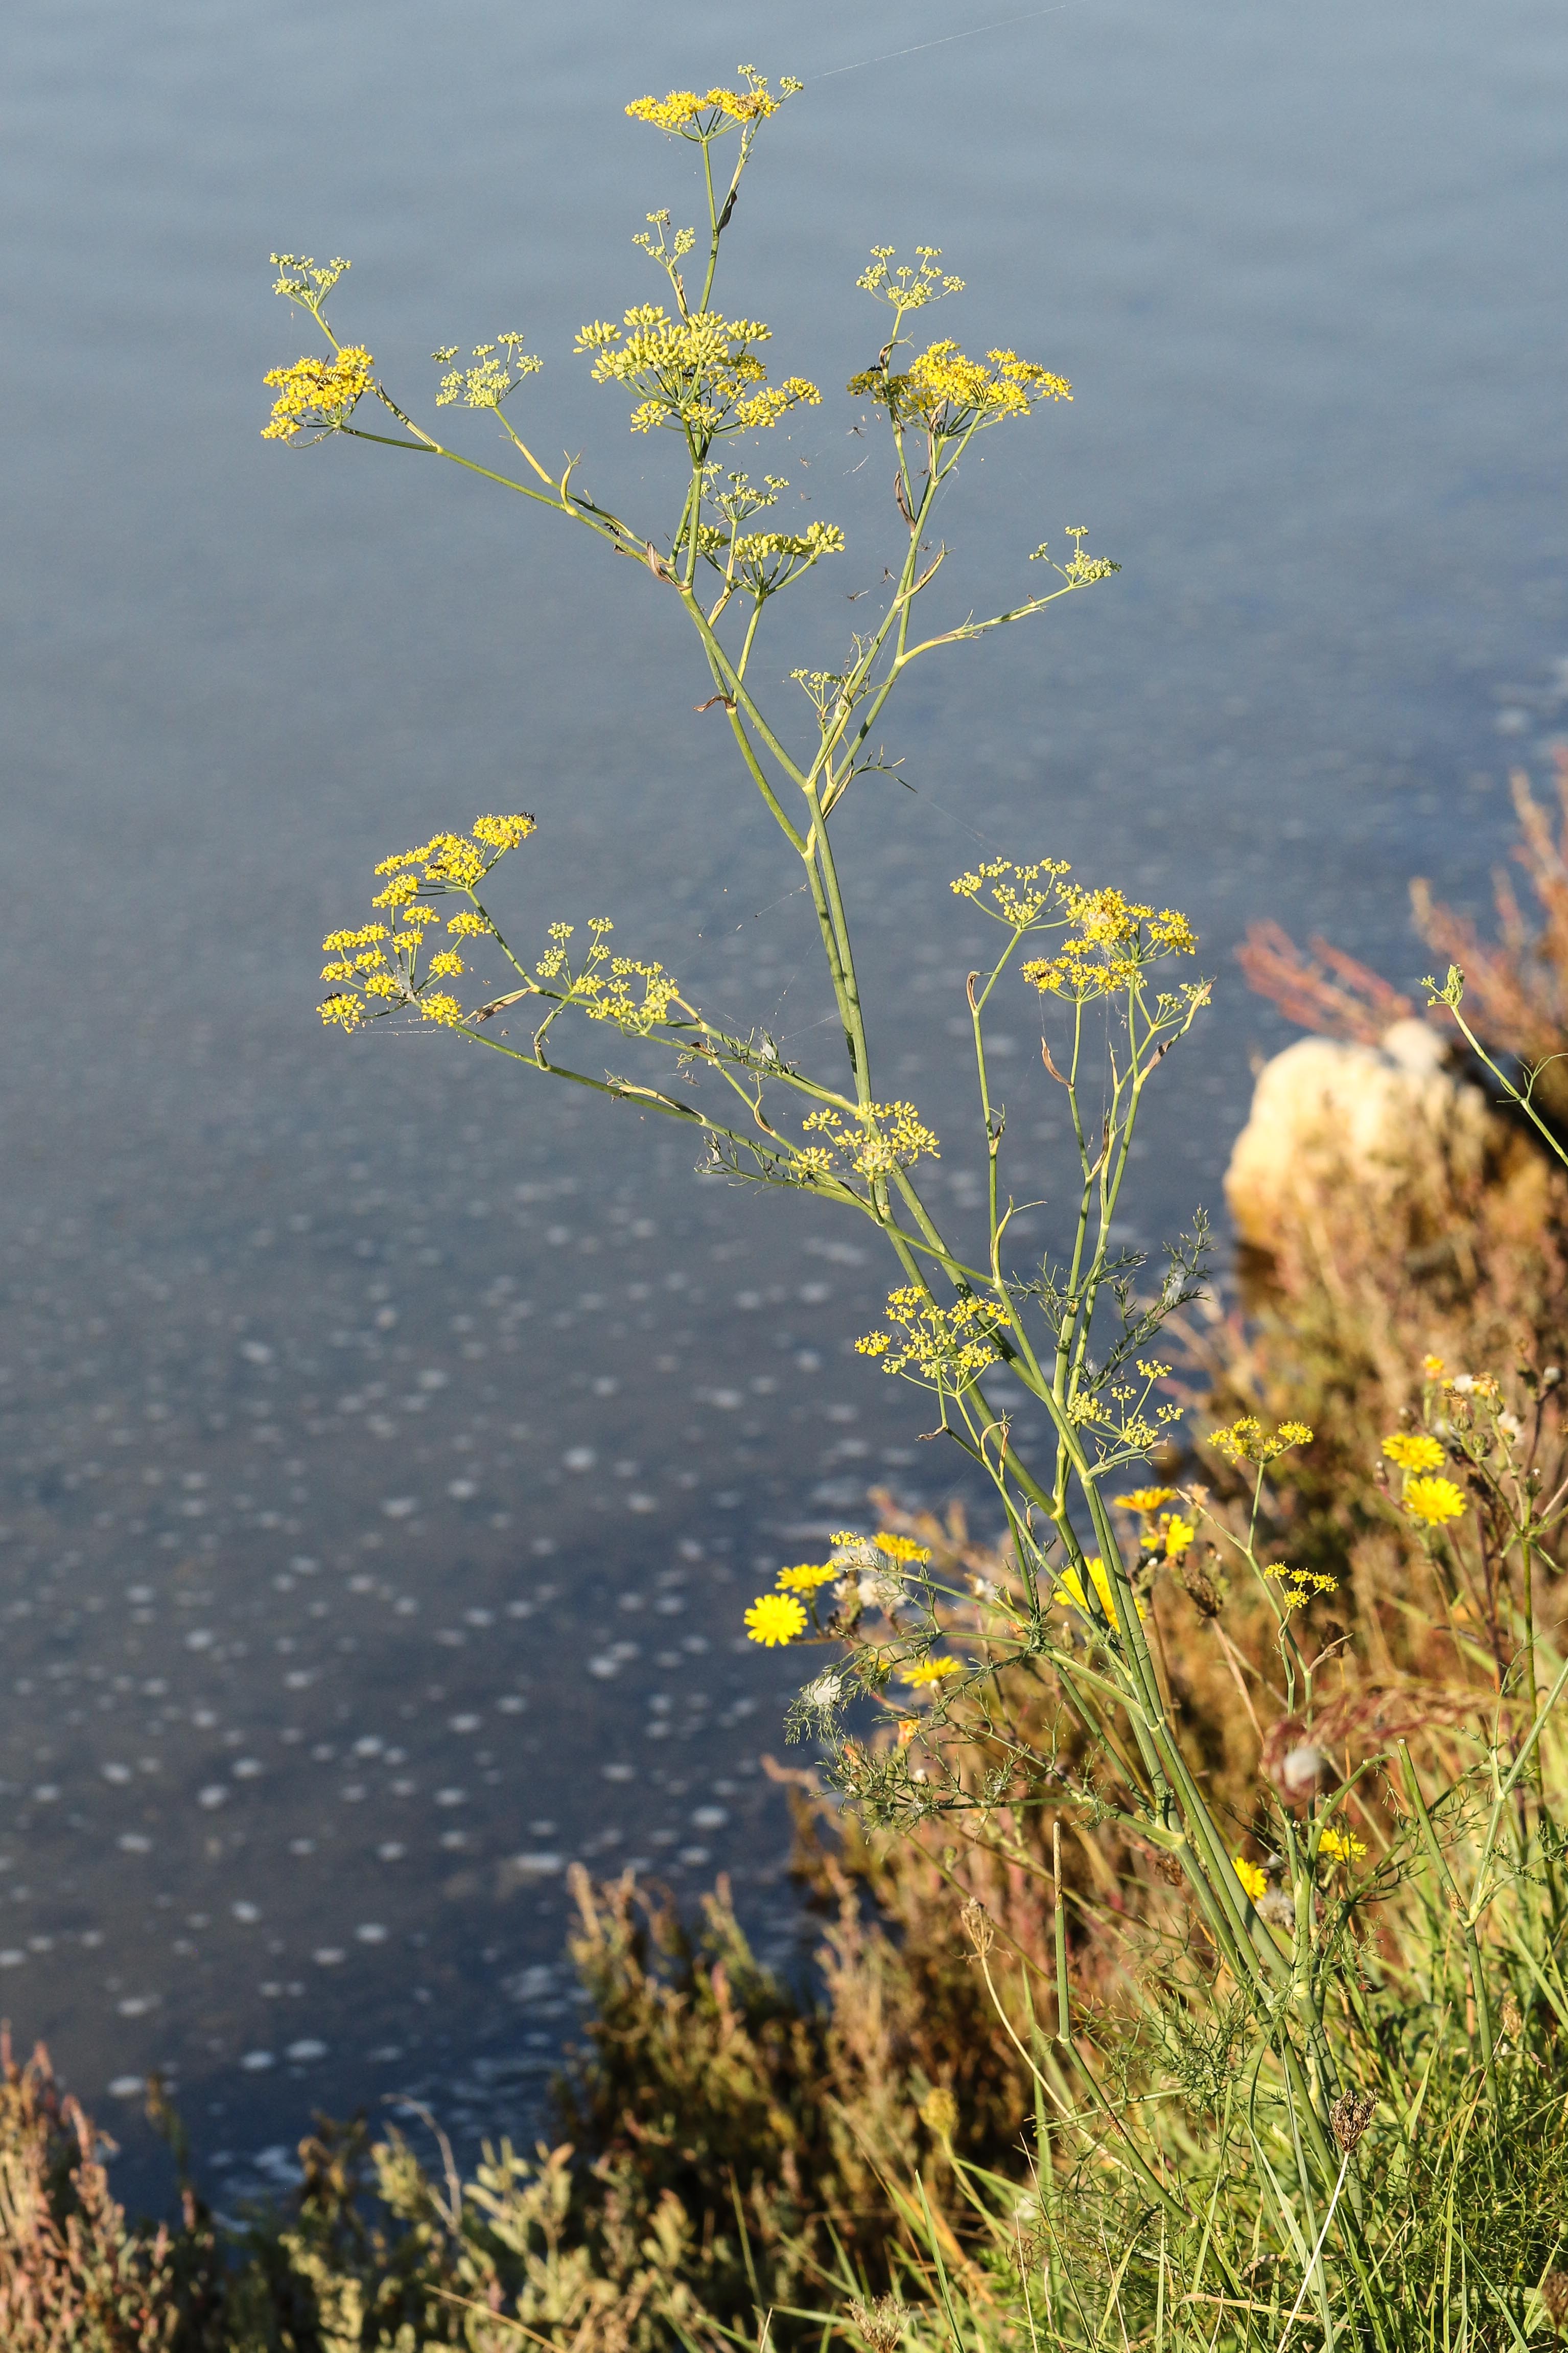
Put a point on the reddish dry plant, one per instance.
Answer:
(71, 2274)
(1516, 984)
(1348, 1000)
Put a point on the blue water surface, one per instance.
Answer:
(391, 1443)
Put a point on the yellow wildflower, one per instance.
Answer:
(949, 1346)
(774, 1618)
(878, 1139)
(446, 964)
(1254, 1880)
(806, 1579)
(1412, 1451)
(1435, 1500)
(444, 1009)
(343, 1008)
(1341, 1847)
(1298, 1585)
(927, 1672)
(1432, 1366)
(502, 832)
(1147, 1499)
(901, 1547)
(1246, 1440)
(1069, 1594)
(701, 115)
(317, 395)
(951, 393)
(1178, 1535)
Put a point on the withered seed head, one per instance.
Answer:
(977, 1926)
(1350, 2116)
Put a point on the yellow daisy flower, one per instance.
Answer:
(1435, 1500)
(1254, 1880)
(774, 1618)
(806, 1579)
(926, 1671)
(1412, 1451)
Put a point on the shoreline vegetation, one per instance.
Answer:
(886, 2157)
(1193, 1863)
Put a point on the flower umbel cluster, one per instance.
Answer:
(1114, 940)
(383, 967)
(944, 1347)
(604, 986)
(486, 385)
(1019, 894)
(951, 396)
(698, 374)
(906, 288)
(1299, 1586)
(1247, 1440)
(317, 396)
(873, 1142)
(703, 115)
(761, 563)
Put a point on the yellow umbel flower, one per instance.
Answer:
(1116, 937)
(1299, 1586)
(316, 395)
(1253, 1880)
(950, 1346)
(1434, 1501)
(1412, 1451)
(950, 394)
(806, 1579)
(1247, 1440)
(928, 1671)
(1018, 901)
(697, 373)
(774, 1618)
(876, 1139)
(442, 1008)
(701, 115)
(1341, 1847)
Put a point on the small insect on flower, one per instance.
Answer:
(1434, 1501)
(1341, 1846)
(774, 1618)
(1412, 1449)
(928, 1671)
(1254, 1880)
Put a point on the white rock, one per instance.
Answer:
(1389, 1120)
